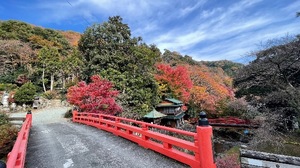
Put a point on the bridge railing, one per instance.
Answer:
(195, 153)
(233, 122)
(16, 158)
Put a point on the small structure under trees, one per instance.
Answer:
(154, 117)
(172, 108)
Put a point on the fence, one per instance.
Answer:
(197, 153)
(16, 158)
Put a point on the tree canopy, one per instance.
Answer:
(272, 80)
(174, 81)
(109, 50)
(95, 97)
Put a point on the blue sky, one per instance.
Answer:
(203, 29)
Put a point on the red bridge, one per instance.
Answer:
(233, 122)
(196, 152)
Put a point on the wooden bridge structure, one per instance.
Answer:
(150, 136)
(233, 122)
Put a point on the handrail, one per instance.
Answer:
(16, 158)
(196, 153)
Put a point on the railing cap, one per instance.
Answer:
(203, 121)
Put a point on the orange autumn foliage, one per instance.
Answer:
(209, 88)
(174, 80)
(72, 37)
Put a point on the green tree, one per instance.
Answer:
(71, 67)
(25, 94)
(49, 59)
(109, 50)
(15, 30)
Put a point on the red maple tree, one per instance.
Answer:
(175, 80)
(95, 97)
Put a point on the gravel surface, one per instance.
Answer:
(58, 143)
(45, 116)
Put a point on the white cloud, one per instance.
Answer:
(218, 28)
(293, 7)
(229, 34)
(208, 13)
(187, 10)
(67, 9)
(200, 29)
(240, 46)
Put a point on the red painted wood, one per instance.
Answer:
(232, 121)
(146, 135)
(16, 158)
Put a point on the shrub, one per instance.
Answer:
(69, 114)
(72, 83)
(3, 119)
(25, 94)
(7, 87)
(95, 97)
(8, 134)
(236, 107)
(228, 161)
(50, 95)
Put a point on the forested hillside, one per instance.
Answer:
(55, 60)
(31, 53)
(229, 67)
(211, 86)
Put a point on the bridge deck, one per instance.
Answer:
(65, 144)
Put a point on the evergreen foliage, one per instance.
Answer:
(109, 50)
(25, 94)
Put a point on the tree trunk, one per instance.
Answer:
(73, 77)
(63, 82)
(43, 80)
(52, 82)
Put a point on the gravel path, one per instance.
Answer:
(58, 143)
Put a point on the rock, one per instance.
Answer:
(244, 146)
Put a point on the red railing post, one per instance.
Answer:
(29, 116)
(145, 138)
(117, 129)
(75, 113)
(204, 138)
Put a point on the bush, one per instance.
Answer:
(25, 94)
(3, 119)
(72, 83)
(95, 97)
(8, 134)
(236, 107)
(50, 95)
(7, 87)
(69, 114)
(228, 161)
